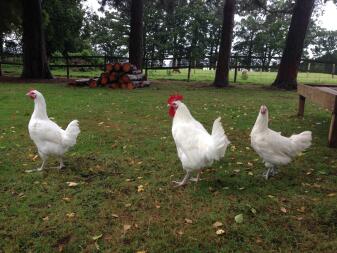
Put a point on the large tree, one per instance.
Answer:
(222, 69)
(291, 57)
(136, 33)
(35, 63)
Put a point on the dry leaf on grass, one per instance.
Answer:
(70, 215)
(72, 184)
(239, 218)
(96, 237)
(126, 227)
(217, 224)
(188, 221)
(220, 232)
(45, 218)
(114, 215)
(283, 209)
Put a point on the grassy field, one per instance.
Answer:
(196, 75)
(125, 160)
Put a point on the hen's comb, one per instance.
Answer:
(175, 97)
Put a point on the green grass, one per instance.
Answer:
(126, 142)
(196, 75)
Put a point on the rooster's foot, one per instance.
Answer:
(178, 184)
(267, 173)
(196, 179)
(273, 171)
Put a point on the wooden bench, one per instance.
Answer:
(325, 96)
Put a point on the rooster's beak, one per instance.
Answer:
(28, 93)
(168, 105)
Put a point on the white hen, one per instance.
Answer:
(197, 149)
(274, 148)
(49, 138)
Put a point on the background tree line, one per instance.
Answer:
(180, 29)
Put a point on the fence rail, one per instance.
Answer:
(237, 62)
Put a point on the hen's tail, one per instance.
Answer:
(220, 140)
(71, 133)
(301, 141)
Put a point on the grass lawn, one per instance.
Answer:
(254, 77)
(126, 142)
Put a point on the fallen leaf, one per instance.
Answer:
(220, 232)
(250, 173)
(188, 221)
(332, 194)
(66, 199)
(96, 237)
(302, 209)
(217, 224)
(239, 163)
(239, 218)
(141, 251)
(126, 227)
(128, 205)
(35, 157)
(253, 210)
(70, 215)
(114, 215)
(283, 210)
(140, 188)
(72, 184)
(45, 218)
(180, 232)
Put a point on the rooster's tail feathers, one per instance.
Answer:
(71, 133)
(220, 140)
(301, 141)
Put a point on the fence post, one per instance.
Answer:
(308, 69)
(146, 63)
(0, 64)
(333, 70)
(189, 70)
(67, 63)
(235, 68)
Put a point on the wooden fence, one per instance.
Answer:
(237, 63)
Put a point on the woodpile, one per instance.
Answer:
(116, 76)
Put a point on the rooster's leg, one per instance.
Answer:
(183, 182)
(266, 174)
(61, 163)
(196, 179)
(42, 166)
(273, 171)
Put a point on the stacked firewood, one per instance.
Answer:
(117, 76)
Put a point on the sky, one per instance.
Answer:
(328, 20)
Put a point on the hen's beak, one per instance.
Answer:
(168, 105)
(28, 94)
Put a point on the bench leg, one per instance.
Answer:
(301, 103)
(333, 131)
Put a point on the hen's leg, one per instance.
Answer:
(183, 182)
(266, 174)
(44, 160)
(196, 179)
(274, 171)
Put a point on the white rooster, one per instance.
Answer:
(274, 148)
(196, 148)
(49, 138)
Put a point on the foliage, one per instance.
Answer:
(63, 22)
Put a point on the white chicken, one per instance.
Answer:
(272, 147)
(49, 138)
(196, 148)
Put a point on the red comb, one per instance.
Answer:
(175, 97)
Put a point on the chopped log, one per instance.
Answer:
(113, 76)
(137, 77)
(104, 78)
(136, 72)
(117, 67)
(124, 79)
(108, 67)
(126, 67)
(130, 86)
(92, 83)
(113, 85)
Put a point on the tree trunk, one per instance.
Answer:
(1, 50)
(288, 69)
(35, 63)
(222, 69)
(136, 33)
